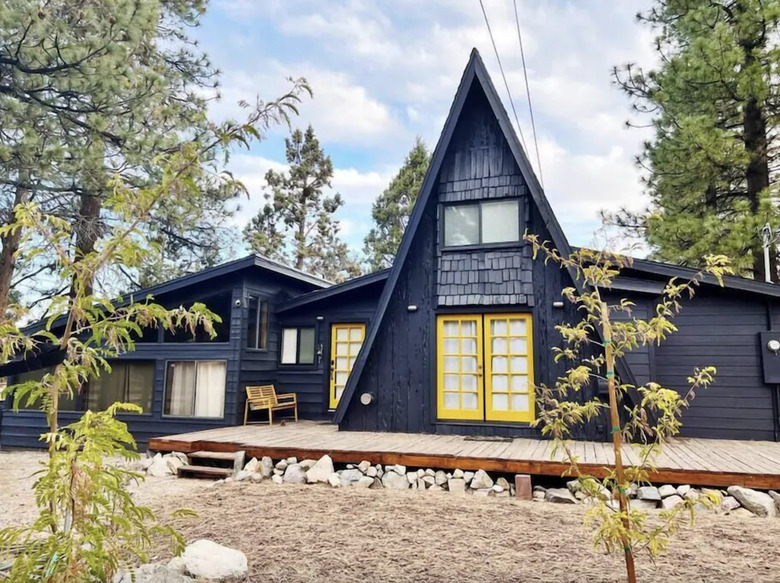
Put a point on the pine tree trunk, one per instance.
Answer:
(10, 244)
(757, 174)
(617, 441)
(87, 233)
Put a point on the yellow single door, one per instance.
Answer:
(345, 343)
(509, 378)
(459, 351)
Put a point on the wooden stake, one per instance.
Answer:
(617, 442)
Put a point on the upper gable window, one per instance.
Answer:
(482, 223)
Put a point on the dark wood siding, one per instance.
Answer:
(312, 382)
(721, 328)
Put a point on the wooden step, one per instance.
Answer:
(205, 472)
(212, 455)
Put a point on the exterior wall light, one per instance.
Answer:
(320, 318)
(411, 308)
(366, 398)
(557, 304)
(773, 345)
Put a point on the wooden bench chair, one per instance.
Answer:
(264, 397)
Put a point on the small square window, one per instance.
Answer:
(298, 346)
(500, 222)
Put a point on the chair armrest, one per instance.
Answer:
(293, 396)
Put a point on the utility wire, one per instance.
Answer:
(528, 94)
(501, 68)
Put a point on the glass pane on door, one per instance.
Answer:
(346, 340)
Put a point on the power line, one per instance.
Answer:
(528, 94)
(501, 68)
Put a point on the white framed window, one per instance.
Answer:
(482, 223)
(195, 388)
(298, 345)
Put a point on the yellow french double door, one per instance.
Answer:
(345, 343)
(485, 367)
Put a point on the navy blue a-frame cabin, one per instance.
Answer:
(451, 339)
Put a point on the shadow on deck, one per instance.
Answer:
(699, 462)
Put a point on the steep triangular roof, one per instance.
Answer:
(474, 74)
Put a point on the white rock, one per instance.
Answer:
(252, 465)
(411, 477)
(481, 480)
(334, 480)
(320, 471)
(729, 503)
(364, 482)
(759, 503)
(176, 564)
(256, 478)
(538, 494)
(377, 484)
(420, 473)
(692, 494)
(742, 513)
(468, 476)
(277, 479)
(379, 472)
(364, 465)
(671, 501)
(159, 467)
(400, 470)
(307, 464)
(174, 463)
(648, 493)
(395, 481)
(294, 474)
(498, 489)
(419, 483)
(151, 574)
(559, 496)
(209, 560)
(541, 489)
(372, 472)
(574, 486)
(456, 485)
(776, 497)
(243, 475)
(666, 490)
(683, 490)
(350, 477)
(266, 467)
(643, 504)
(281, 465)
(503, 482)
(457, 474)
(278, 472)
(291, 460)
(440, 478)
(430, 472)
(429, 480)
(436, 488)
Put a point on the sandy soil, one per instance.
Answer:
(309, 533)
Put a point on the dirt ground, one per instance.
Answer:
(314, 533)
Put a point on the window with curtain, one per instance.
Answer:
(128, 382)
(298, 346)
(257, 324)
(195, 389)
(482, 223)
(65, 402)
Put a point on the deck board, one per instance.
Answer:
(703, 462)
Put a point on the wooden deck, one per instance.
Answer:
(703, 462)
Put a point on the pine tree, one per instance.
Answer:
(714, 103)
(296, 225)
(392, 208)
(92, 90)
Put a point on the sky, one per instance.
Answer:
(386, 71)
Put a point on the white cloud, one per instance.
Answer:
(368, 119)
